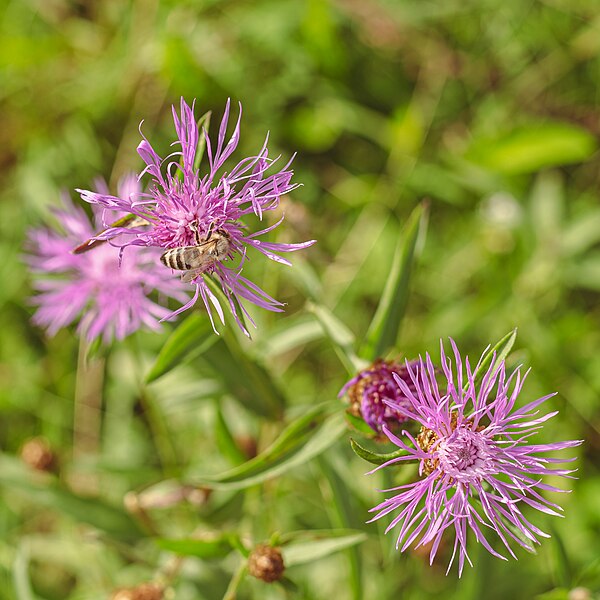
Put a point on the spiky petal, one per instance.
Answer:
(477, 467)
(182, 204)
(108, 299)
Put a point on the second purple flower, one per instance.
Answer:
(197, 219)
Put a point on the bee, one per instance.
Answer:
(196, 259)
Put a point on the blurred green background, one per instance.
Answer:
(488, 109)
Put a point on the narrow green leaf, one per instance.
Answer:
(358, 424)
(340, 336)
(300, 442)
(191, 338)
(203, 125)
(289, 334)
(321, 545)
(47, 491)
(344, 509)
(533, 147)
(225, 442)
(563, 569)
(374, 457)
(242, 374)
(21, 574)
(245, 378)
(500, 351)
(385, 326)
(211, 546)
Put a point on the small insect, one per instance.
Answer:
(196, 259)
(127, 222)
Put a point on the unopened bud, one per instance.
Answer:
(266, 563)
(37, 454)
(146, 591)
(580, 593)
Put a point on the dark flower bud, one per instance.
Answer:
(368, 390)
(145, 591)
(38, 454)
(266, 563)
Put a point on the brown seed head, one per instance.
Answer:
(38, 454)
(146, 591)
(580, 593)
(266, 563)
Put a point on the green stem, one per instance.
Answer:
(161, 435)
(234, 584)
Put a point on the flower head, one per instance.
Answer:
(369, 390)
(110, 300)
(185, 209)
(477, 467)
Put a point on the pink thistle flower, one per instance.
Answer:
(369, 390)
(184, 208)
(477, 468)
(110, 300)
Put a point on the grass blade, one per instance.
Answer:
(383, 331)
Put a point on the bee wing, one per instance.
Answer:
(206, 243)
(189, 276)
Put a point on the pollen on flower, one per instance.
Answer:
(425, 440)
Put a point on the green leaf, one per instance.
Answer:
(558, 594)
(190, 339)
(385, 326)
(242, 374)
(210, 546)
(359, 424)
(245, 378)
(289, 334)
(21, 580)
(340, 336)
(225, 442)
(203, 125)
(319, 545)
(374, 457)
(47, 491)
(500, 351)
(344, 510)
(533, 147)
(302, 440)
(563, 569)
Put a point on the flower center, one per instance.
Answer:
(464, 455)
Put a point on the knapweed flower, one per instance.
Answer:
(184, 209)
(110, 300)
(477, 466)
(371, 387)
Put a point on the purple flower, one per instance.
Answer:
(477, 468)
(369, 390)
(185, 209)
(110, 300)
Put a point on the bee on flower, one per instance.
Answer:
(196, 219)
